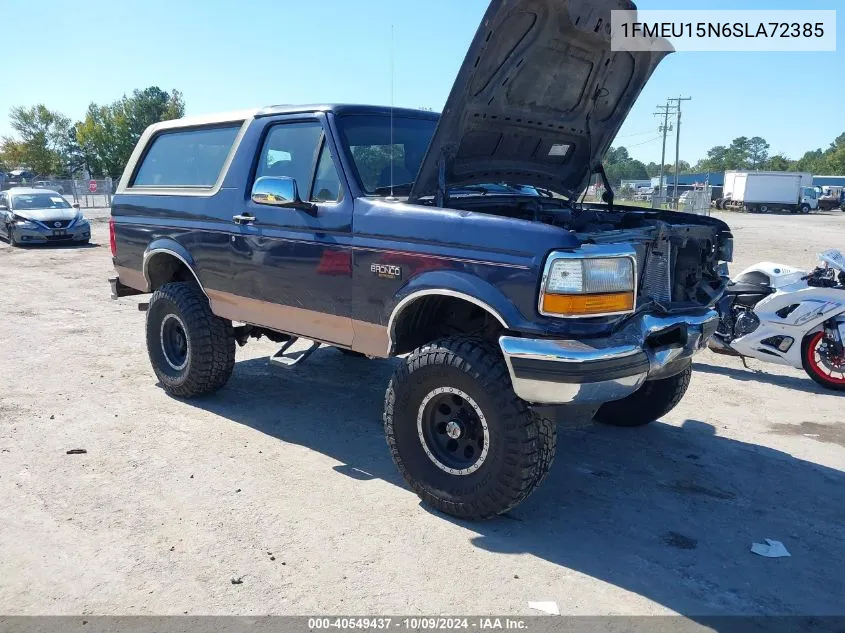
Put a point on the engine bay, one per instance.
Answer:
(678, 254)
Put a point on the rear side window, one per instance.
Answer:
(186, 158)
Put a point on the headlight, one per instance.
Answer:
(588, 286)
(24, 223)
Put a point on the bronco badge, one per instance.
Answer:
(386, 271)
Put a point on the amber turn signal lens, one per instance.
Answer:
(575, 305)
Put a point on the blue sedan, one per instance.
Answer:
(41, 216)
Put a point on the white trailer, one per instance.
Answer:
(764, 191)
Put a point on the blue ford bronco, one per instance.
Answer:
(455, 241)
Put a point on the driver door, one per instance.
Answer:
(297, 263)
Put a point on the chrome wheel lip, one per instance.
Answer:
(478, 463)
(167, 359)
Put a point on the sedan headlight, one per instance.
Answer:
(24, 223)
(588, 286)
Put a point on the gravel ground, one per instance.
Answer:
(283, 482)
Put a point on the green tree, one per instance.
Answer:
(619, 166)
(109, 133)
(42, 140)
(778, 162)
(12, 153)
(716, 159)
(812, 161)
(758, 152)
(102, 140)
(738, 153)
(617, 155)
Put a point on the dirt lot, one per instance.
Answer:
(283, 479)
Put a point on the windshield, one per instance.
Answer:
(833, 258)
(372, 146)
(33, 201)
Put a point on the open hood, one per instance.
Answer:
(538, 100)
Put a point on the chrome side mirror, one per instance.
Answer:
(279, 191)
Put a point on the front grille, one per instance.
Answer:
(57, 224)
(657, 276)
(58, 238)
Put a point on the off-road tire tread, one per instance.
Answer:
(212, 341)
(650, 402)
(547, 430)
(530, 438)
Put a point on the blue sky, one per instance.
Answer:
(227, 55)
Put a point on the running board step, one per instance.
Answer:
(282, 357)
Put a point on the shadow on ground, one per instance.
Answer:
(55, 246)
(804, 384)
(668, 513)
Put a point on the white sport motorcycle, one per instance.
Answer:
(781, 315)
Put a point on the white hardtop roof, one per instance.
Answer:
(206, 119)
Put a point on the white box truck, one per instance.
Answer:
(765, 191)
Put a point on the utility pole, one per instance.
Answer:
(663, 111)
(677, 101)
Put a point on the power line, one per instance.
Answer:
(651, 140)
(636, 134)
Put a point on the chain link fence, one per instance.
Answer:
(87, 193)
(695, 200)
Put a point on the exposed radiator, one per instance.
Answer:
(657, 273)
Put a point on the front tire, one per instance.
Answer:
(460, 436)
(650, 402)
(192, 351)
(11, 234)
(805, 208)
(826, 370)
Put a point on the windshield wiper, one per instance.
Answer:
(401, 189)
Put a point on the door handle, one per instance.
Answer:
(244, 219)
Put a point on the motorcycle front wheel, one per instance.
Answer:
(821, 363)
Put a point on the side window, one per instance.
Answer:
(289, 151)
(326, 181)
(186, 158)
(4, 200)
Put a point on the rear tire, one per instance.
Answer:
(650, 402)
(192, 351)
(460, 436)
(814, 366)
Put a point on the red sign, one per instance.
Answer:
(92, 186)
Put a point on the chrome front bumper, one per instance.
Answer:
(594, 371)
